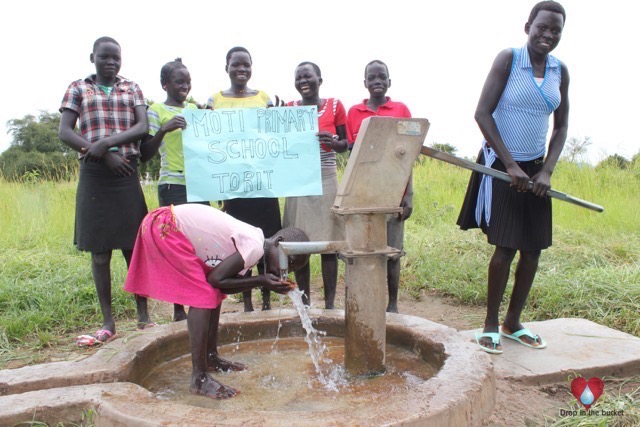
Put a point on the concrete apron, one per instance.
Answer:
(574, 346)
(462, 392)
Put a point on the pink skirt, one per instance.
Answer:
(165, 267)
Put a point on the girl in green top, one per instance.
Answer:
(165, 135)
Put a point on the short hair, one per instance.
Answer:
(375, 61)
(168, 69)
(315, 67)
(238, 49)
(104, 39)
(551, 6)
(291, 234)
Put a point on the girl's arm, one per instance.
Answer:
(151, 144)
(339, 144)
(407, 200)
(67, 133)
(134, 133)
(491, 92)
(542, 180)
(225, 278)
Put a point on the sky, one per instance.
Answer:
(438, 54)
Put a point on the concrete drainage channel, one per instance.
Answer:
(461, 393)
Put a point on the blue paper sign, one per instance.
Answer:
(251, 152)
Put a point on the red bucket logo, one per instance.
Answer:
(586, 391)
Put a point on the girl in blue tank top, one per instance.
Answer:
(524, 87)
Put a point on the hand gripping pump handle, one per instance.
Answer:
(440, 155)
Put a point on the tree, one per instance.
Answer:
(575, 149)
(36, 151)
(615, 161)
(447, 148)
(37, 134)
(16, 164)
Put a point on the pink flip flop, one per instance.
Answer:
(93, 340)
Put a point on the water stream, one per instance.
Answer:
(332, 376)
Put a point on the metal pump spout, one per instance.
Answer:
(285, 249)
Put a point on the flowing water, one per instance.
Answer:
(331, 375)
(285, 378)
(294, 374)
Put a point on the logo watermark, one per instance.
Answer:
(587, 392)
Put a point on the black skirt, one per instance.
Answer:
(520, 221)
(263, 213)
(109, 208)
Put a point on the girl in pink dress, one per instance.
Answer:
(195, 255)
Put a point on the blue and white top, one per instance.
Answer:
(522, 117)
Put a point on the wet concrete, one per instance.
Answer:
(574, 346)
(107, 381)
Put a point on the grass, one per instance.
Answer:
(46, 287)
(592, 270)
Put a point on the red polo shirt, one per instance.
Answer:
(359, 112)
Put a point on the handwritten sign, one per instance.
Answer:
(251, 152)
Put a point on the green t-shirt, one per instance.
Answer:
(171, 154)
(106, 89)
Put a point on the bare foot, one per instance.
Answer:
(145, 325)
(205, 385)
(218, 364)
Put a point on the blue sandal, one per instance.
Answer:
(495, 340)
(525, 332)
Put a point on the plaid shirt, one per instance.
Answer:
(101, 115)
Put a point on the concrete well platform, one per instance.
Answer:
(108, 382)
(573, 346)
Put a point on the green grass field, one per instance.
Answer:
(592, 270)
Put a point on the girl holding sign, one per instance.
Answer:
(263, 213)
(165, 135)
(312, 213)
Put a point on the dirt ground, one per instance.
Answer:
(516, 404)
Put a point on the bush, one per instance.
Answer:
(18, 165)
(614, 161)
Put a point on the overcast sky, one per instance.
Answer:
(438, 54)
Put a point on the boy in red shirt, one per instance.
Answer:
(377, 82)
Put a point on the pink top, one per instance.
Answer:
(216, 235)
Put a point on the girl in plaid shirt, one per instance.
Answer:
(110, 113)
